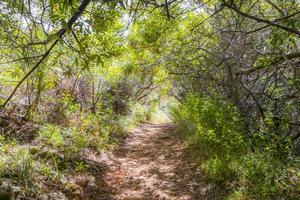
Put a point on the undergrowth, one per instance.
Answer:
(42, 168)
(249, 167)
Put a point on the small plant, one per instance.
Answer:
(51, 135)
(80, 166)
(46, 170)
(17, 162)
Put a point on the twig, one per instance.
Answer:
(59, 34)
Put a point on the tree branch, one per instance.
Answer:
(59, 35)
(271, 23)
(279, 59)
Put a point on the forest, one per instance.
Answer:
(150, 99)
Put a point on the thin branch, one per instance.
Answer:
(203, 21)
(59, 34)
(271, 23)
(19, 59)
(276, 7)
(278, 60)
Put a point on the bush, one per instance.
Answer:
(85, 131)
(215, 127)
(259, 167)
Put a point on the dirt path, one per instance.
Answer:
(152, 163)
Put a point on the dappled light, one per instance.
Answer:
(149, 99)
(151, 164)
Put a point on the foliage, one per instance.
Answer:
(73, 79)
(229, 159)
(213, 123)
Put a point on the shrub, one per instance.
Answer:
(212, 124)
(258, 167)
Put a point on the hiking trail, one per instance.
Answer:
(153, 162)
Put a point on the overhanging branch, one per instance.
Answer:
(271, 23)
(59, 35)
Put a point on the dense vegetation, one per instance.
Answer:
(75, 74)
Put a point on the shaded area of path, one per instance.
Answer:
(153, 162)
